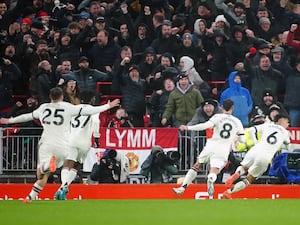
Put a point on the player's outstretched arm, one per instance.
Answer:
(19, 119)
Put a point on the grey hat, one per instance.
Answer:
(264, 20)
(186, 36)
(277, 49)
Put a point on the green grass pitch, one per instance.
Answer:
(154, 212)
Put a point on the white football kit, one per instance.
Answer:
(273, 138)
(55, 119)
(82, 130)
(226, 128)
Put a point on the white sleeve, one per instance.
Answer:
(96, 125)
(252, 134)
(21, 118)
(202, 126)
(90, 110)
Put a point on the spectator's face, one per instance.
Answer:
(3, 8)
(101, 38)
(71, 85)
(276, 56)
(95, 9)
(65, 40)
(100, 25)
(165, 61)
(149, 58)
(124, 29)
(265, 26)
(42, 49)
(187, 42)
(84, 64)
(142, 31)
(264, 64)
(203, 11)
(238, 11)
(25, 27)
(134, 75)
(31, 102)
(202, 26)
(120, 113)
(261, 14)
(66, 66)
(169, 85)
(166, 31)
(268, 100)
(238, 36)
(10, 50)
(184, 83)
(126, 53)
(208, 109)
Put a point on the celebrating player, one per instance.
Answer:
(54, 143)
(256, 161)
(226, 128)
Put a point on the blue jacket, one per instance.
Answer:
(240, 96)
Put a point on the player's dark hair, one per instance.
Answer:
(280, 116)
(55, 93)
(227, 104)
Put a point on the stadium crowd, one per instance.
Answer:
(174, 51)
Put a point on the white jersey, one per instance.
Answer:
(82, 129)
(56, 118)
(226, 128)
(273, 136)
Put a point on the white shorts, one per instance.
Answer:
(77, 154)
(216, 156)
(256, 161)
(46, 151)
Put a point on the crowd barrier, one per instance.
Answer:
(18, 148)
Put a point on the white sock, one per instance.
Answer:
(64, 174)
(189, 177)
(239, 186)
(212, 177)
(71, 176)
(36, 189)
(240, 170)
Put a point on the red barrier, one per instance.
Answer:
(149, 191)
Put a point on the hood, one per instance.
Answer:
(231, 82)
(188, 63)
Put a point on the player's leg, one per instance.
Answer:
(242, 169)
(188, 179)
(37, 187)
(211, 178)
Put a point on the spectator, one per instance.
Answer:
(268, 99)
(71, 90)
(120, 119)
(158, 102)
(234, 12)
(9, 74)
(108, 50)
(121, 66)
(203, 11)
(263, 76)
(46, 80)
(133, 92)
(240, 96)
(274, 110)
(182, 102)
(186, 65)
(217, 56)
(291, 101)
(147, 65)
(141, 42)
(160, 166)
(167, 41)
(87, 77)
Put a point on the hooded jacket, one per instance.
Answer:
(240, 96)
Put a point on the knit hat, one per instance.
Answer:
(181, 75)
(268, 92)
(37, 25)
(209, 101)
(274, 107)
(82, 59)
(186, 36)
(26, 20)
